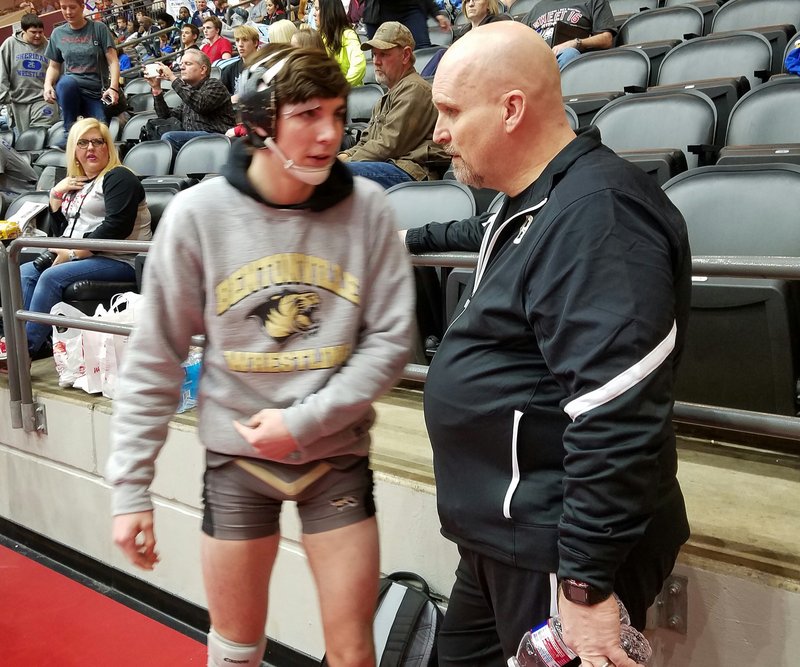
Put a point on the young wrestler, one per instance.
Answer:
(292, 271)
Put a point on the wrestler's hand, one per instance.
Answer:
(266, 432)
(593, 632)
(133, 533)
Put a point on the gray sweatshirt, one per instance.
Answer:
(307, 311)
(22, 72)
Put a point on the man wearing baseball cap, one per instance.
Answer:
(398, 145)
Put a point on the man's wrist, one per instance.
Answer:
(583, 593)
(579, 44)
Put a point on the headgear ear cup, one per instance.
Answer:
(258, 102)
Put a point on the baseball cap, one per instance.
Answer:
(389, 35)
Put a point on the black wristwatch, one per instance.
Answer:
(580, 592)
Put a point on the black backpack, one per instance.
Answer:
(154, 128)
(407, 622)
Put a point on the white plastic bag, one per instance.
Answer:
(68, 347)
(89, 360)
(112, 347)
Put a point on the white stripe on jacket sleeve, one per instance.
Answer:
(625, 380)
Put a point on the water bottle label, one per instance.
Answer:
(550, 647)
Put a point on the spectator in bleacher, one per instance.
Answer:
(149, 48)
(123, 30)
(594, 16)
(98, 199)
(411, 13)
(216, 47)
(247, 39)
(230, 16)
(201, 13)
(164, 21)
(206, 108)
(286, 236)
(281, 32)
(274, 11)
(341, 40)
(184, 17)
(398, 145)
(22, 71)
(308, 38)
(257, 11)
(190, 34)
(480, 12)
(79, 51)
(549, 402)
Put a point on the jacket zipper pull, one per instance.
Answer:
(523, 229)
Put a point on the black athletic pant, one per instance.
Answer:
(493, 604)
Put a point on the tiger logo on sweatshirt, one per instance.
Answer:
(287, 314)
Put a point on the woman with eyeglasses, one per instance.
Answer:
(99, 199)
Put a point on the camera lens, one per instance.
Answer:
(44, 261)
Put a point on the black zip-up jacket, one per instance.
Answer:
(549, 401)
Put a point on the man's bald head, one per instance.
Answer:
(504, 55)
(498, 93)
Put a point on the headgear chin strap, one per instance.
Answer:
(310, 175)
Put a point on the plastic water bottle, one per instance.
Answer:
(544, 646)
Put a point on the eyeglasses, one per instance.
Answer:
(84, 143)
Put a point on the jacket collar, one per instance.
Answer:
(338, 187)
(585, 141)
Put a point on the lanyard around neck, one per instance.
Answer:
(72, 218)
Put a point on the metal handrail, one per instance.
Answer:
(757, 423)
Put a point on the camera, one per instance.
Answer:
(44, 261)
(152, 70)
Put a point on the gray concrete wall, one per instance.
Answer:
(744, 599)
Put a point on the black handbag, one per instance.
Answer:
(121, 105)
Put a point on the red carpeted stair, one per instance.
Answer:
(49, 620)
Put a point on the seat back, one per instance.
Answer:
(519, 9)
(172, 99)
(157, 201)
(419, 202)
(136, 87)
(51, 166)
(659, 24)
(742, 344)
(130, 131)
(572, 117)
(740, 210)
(610, 70)
(416, 204)
(424, 56)
(746, 14)
(55, 133)
(141, 102)
(766, 115)
(369, 74)
(628, 7)
(149, 158)
(716, 56)
(677, 119)
(361, 100)
(32, 139)
(202, 155)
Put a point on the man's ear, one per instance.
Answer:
(514, 107)
(407, 51)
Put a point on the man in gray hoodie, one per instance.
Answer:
(291, 269)
(22, 69)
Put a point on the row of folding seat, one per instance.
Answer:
(668, 131)
(743, 350)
